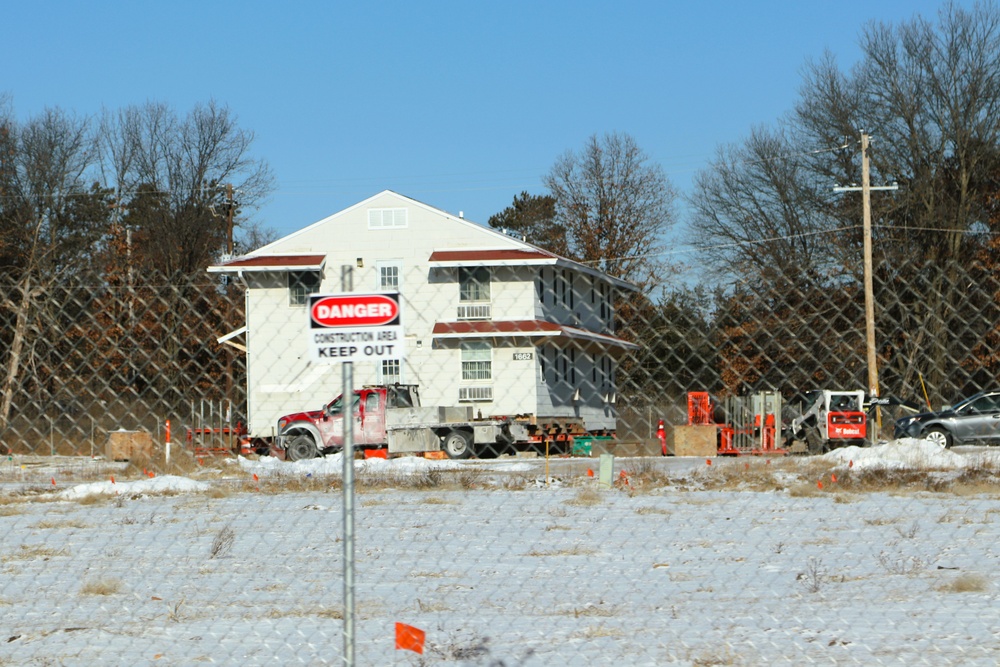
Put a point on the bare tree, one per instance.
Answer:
(171, 174)
(757, 211)
(49, 221)
(616, 207)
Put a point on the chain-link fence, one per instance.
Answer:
(513, 503)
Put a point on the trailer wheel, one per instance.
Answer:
(458, 445)
(301, 447)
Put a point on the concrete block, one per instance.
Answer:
(127, 445)
(695, 440)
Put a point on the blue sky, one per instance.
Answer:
(461, 105)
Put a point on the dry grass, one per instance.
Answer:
(437, 500)
(575, 550)
(432, 607)
(642, 511)
(588, 496)
(881, 479)
(515, 482)
(108, 586)
(595, 611)
(805, 490)
(968, 582)
(60, 524)
(901, 564)
(35, 551)
(598, 632)
(278, 484)
(332, 613)
(223, 542)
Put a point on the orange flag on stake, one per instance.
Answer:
(409, 638)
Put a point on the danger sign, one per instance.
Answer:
(355, 327)
(349, 310)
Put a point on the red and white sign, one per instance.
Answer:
(354, 310)
(355, 327)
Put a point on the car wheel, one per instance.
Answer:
(458, 445)
(301, 447)
(939, 437)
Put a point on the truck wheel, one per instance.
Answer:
(939, 437)
(458, 445)
(301, 447)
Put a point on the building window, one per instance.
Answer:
(390, 371)
(474, 284)
(477, 361)
(386, 218)
(388, 276)
(300, 285)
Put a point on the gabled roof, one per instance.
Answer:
(507, 251)
(528, 328)
(271, 263)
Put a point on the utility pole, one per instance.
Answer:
(866, 203)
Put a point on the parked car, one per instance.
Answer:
(974, 421)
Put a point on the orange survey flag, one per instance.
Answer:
(409, 638)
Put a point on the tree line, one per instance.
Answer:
(777, 303)
(96, 212)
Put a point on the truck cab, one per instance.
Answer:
(305, 435)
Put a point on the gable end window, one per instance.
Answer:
(387, 218)
(300, 285)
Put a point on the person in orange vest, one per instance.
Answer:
(661, 433)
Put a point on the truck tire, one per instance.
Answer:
(301, 447)
(457, 445)
(939, 437)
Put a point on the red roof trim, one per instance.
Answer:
(486, 327)
(274, 261)
(500, 255)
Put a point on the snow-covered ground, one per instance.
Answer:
(883, 555)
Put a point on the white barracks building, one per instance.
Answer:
(489, 320)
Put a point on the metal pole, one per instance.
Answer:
(348, 421)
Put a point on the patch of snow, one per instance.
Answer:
(902, 454)
(155, 485)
